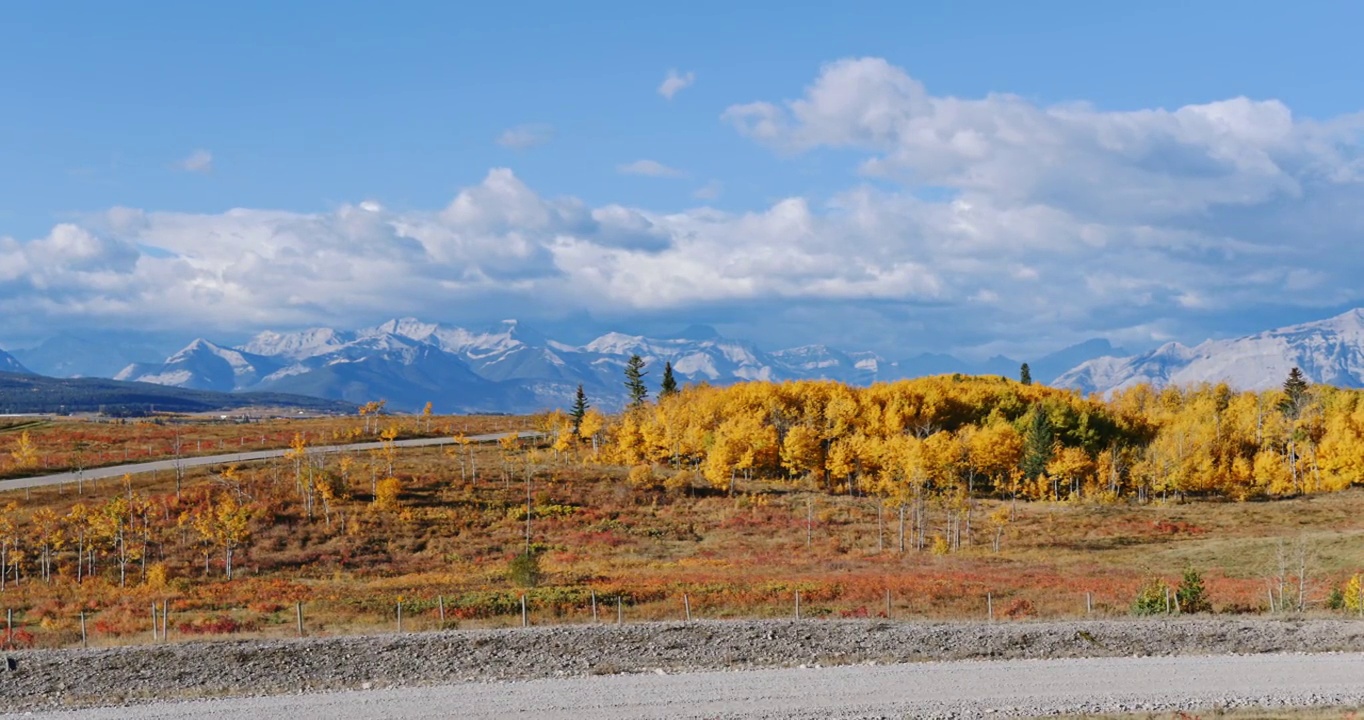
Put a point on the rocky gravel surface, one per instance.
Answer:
(53, 679)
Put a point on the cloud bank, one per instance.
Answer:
(991, 223)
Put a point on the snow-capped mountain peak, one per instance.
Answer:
(1328, 351)
(296, 345)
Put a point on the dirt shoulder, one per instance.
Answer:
(51, 679)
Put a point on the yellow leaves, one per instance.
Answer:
(593, 423)
(1354, 593)
(157, 576)
(1273, 474)
(995, 449)
(25, 452)
(802, 452)
(298, 447)
(386, 493)
(642, 477)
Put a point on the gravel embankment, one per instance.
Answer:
(35, 680)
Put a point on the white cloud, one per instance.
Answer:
(199, 161)
(710, 191)
(522, 137)
(649, 168)
(675, 83)
(990, 222)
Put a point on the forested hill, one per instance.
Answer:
(37, 394)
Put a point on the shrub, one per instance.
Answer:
(642, 477)
(1152, 598)
(1191, 595)
(524, 569)
(1352, 592)
(1336, 600)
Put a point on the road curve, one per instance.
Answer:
(109, 471)
(967, 689)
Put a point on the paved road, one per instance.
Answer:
(1006, 688)
(189, 462)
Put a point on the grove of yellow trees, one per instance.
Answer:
(953, 437)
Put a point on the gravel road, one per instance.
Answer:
(109, 471)
(967, 689)
(742, 669)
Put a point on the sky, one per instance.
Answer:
(964, 177)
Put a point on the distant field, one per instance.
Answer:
(62, 443)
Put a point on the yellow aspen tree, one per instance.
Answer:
(25, 452)
(225, 524)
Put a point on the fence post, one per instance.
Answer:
(887, 603)
(990, 607)
(797, 604)
(400, 617)
(84, 643)
(9, 626)
(154, 626)
(440, 605)
(619, 615)
(299, 608)
(525, 618)
(165, 620)
(1089, 603)
(686, 603)
(594, 607)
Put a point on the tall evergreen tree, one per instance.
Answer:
(634, 381)
(1037, 444)
(1295, 394)
(1025, 374)
(669, 384)
(579, 411)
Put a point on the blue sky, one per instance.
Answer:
(196, 167)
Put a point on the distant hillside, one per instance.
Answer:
(21, 393)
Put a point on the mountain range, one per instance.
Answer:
(1329, 351)
(514, 369)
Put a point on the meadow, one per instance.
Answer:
(444, 534)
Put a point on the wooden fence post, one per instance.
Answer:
(154, 625)
(594, 607)
(400, 617)
(990, 607)
(84, 643)
(686, 603)
(619, 615)
(525, 617)
(299, 608)
(797, 604)
(440, 606)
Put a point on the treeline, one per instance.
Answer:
(951, 438)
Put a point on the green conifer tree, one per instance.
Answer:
(634, 381)
(669, 384)
(579, 410)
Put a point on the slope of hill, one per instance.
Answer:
(1329, 351)
(8, 364)
(37, 394)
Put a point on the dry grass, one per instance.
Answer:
(452, 538)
